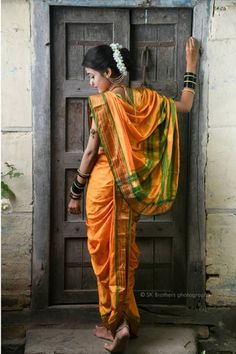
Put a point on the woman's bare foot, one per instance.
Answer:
(120, 341)
(102, 332)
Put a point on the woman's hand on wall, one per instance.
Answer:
(192, 54)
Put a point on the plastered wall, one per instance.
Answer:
(17, 150)
(221, 152)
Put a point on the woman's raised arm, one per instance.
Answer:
(192, 54)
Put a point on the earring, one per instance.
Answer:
(116, 80)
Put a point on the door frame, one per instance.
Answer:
(41, 113)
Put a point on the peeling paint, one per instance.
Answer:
(221, 8)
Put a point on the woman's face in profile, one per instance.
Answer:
(97, 80)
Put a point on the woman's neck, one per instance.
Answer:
(114, 86)
(118, 90)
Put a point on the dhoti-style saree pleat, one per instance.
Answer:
(111, 243)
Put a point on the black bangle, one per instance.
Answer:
(190, 84)
(190, 80)
(188, 73)
(75, 193)
(75, 197)
(76, 190)
(78, 184)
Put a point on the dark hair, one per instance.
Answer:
(101, 57)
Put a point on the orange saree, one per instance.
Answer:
(136, 174)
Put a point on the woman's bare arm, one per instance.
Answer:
(90, 154)
(192, 53)
(88, 160)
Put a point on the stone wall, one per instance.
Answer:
(221, 152)
(17, 150)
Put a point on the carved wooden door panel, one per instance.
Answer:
(74, 30)
(158, 36)
(158, 39)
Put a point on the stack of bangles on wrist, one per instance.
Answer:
(190, 80)
(77, 188)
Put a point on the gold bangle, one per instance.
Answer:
(189, 90)
(82, 175)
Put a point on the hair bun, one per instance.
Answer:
(101, 57)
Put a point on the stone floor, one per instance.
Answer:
(151, 340)
(215, 328)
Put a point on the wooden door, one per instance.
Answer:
(158, 39)
(161, 33)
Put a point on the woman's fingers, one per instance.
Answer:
(74, 207)
(192, 51)
(74, 210)
(192, 44)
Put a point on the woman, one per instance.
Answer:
(132, 166)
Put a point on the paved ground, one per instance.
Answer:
(151, 340)
(215, 328)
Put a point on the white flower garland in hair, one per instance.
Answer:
(118, 58)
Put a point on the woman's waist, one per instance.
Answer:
(102, 156)
(101, 168)
(100, 150)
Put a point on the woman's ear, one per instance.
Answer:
(108, 73)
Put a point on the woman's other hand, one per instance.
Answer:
(192, 54)
(74, 206)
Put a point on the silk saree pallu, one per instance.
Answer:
(140, 139)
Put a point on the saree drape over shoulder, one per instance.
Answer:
(137, 174)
